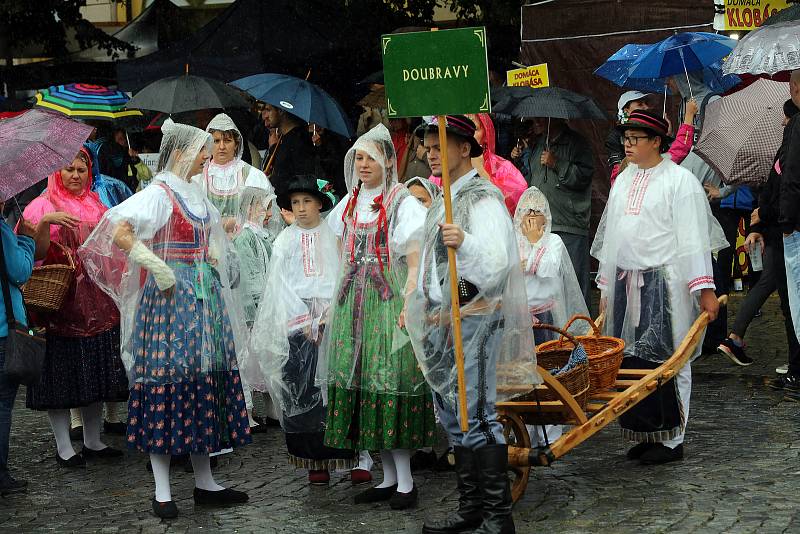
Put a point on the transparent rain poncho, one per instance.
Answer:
(496, 324)
(554, 295)
(654, 245)
(162, 256)
(365, 347)
(253, 245)
(291, 320)
(225, 183)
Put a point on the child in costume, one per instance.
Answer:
(654, 245)
(161, 255)
(423, 190)
(291, 322)
(377, 396)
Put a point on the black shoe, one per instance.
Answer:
(446, 461)
(468, 516)
(223, 497)
(375, 495)
(165, 510)
(74, 461)
(10, 485)
(734, 352)
(76, 434)
(492, 463)
(636, 452)
(423, 460)
(108, 452)
(661, 454)
(789, 383)
(117, 429)
(403, 501)
(260, 428)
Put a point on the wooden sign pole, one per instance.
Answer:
(455, 304)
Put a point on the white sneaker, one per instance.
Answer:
(783, 369)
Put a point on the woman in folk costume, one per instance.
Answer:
(554, 295)
(82, 366)
(162, 257)
(654, 245)
(423, 190)
(377, 396)
(290, 324)
(226, 175)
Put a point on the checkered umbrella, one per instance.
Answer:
(742, 132)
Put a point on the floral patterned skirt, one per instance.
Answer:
(377, 395)
(187, 394)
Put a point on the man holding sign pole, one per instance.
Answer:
(495, 327)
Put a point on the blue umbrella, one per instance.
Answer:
(681, 53)
(298, 97)
(619, 66)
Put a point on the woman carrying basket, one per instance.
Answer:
(82, 367)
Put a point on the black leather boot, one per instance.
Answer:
(492, 463)
(468, 516)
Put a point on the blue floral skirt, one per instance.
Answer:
(187, 393)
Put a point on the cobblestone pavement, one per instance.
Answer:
(741, 474)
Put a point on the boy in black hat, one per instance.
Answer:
(654, 246)
(492, 311)
(290, 322)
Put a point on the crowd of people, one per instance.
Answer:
(318, 279)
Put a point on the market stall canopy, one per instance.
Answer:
(249, 37)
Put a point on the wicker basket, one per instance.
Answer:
(48, 285)
(605, 354)
(575, 380)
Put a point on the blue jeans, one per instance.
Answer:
(791, 256)
(480, 374)
(8, 391)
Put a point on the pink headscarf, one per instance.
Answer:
(86, 206)
(502, 172)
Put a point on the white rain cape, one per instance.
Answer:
(291, 320)
(162, 255)
(364, 346)
(554, 295)
(492, 294)
(654, 245)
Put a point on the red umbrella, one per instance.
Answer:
(35, 144)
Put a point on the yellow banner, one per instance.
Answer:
(748, 15)
(536, 76)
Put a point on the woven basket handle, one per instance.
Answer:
(564, 333)
(66, 252)
(595, 330)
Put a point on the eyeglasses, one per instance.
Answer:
(535, 213)
(633, 140)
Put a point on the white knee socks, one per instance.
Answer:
(92, 416)
(75, 418)
(203, 478)
(402, 466)
(160, 463)
(59, 421)
(389, 471)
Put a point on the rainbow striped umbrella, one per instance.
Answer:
(85, 101)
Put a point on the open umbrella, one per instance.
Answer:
(86, 101)
(681, 53)
(551, 102)
(768, 50)
(300, 98)
(742, 132)
(188, 93)
(35, 144)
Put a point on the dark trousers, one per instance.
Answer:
(8, 392)
(773, 278)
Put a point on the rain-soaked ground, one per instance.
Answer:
(741, 474)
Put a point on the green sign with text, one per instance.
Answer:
(436, 73)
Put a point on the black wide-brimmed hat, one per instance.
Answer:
(322, 190)
(648, 121)
(458, 125)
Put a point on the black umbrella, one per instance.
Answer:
(790, 14)
(551, 102)
(188, 93)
